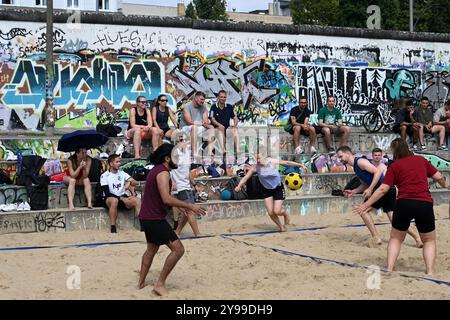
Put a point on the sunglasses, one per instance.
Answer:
(165, 100)
(142, 101)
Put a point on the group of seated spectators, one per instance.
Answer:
(416, 122)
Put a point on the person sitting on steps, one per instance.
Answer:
(140, 127)
(119, 190)
(78, 167)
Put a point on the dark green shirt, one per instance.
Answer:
(329, 117)
(423, 116)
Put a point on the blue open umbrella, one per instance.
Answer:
(86, 139)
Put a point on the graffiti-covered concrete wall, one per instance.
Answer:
(102, 68)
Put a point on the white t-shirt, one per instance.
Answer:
(181, 175)
(115, 181)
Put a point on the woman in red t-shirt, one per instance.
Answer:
(410, 174)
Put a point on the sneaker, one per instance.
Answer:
(298, 150)
(313, 150)
(120, 149)
(443, 148)
(113, 229)
(26, 206)
(415, 148)
(103, 156)
(10, 207)
(423, 147)
(331, 151)
(20, 206)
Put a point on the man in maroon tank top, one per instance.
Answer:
(153, 217)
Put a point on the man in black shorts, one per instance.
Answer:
(299, 120)
(118, 190)
(371, 178)
(404, 122)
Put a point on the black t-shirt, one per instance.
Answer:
(139, 120)
(296, 111)
(403, 116)
(223, 116)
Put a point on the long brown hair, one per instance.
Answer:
(400, 149)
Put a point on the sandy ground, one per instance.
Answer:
(220, 268)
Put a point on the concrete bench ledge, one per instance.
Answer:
(62, 220)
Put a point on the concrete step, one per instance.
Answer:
(313, 184)
(62, 220)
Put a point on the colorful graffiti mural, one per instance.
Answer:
(103, 68)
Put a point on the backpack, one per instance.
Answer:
(109, 130)
(319, 163)
(96, 170)
(99, 197)
(38, 193)
(254, 188)
(231, 185)
(139, 173)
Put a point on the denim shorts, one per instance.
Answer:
(186, 195)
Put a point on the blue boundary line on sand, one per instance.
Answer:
(331, 261)
(96, 244)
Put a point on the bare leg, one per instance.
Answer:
(88, 192)
(327, 137)
(429, 250)
(345, 135)
(297, 130)
(147, 259)
(312, 136)
(410, 231)
(192, 219)
(269, 204)
(279, 211)
(112, 203)
(177, 251)
(137, 143)
(367, 218)
(70, 182)
(395, 243)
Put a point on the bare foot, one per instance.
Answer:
(283, 229)
(419, 243)
(90, 206)
(374, 242)
(71, 208)
(160, 290)
(141, 285)
(287, 219)
(429, 273)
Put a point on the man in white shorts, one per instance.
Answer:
(119, 190)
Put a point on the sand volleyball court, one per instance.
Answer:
(224, 266)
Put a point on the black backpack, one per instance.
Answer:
(109, 130)
(99, 197)
(254, 188)
(233, 183)
(38, 192)
(4, 177)
(96, 170)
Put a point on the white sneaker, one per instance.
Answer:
(26, 206)
(20, 206)
(120, 150)
(298, 150)
(313, 150)
(2, 206)
(10, 207)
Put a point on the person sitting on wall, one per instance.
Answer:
(78, 167)
(140, 127)
(299, 118)
(118, 190)
(423, 118)
(195, 123)
(403, 122)
(160, 115)
(220, 115)
(442, 116)
(330, 122)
